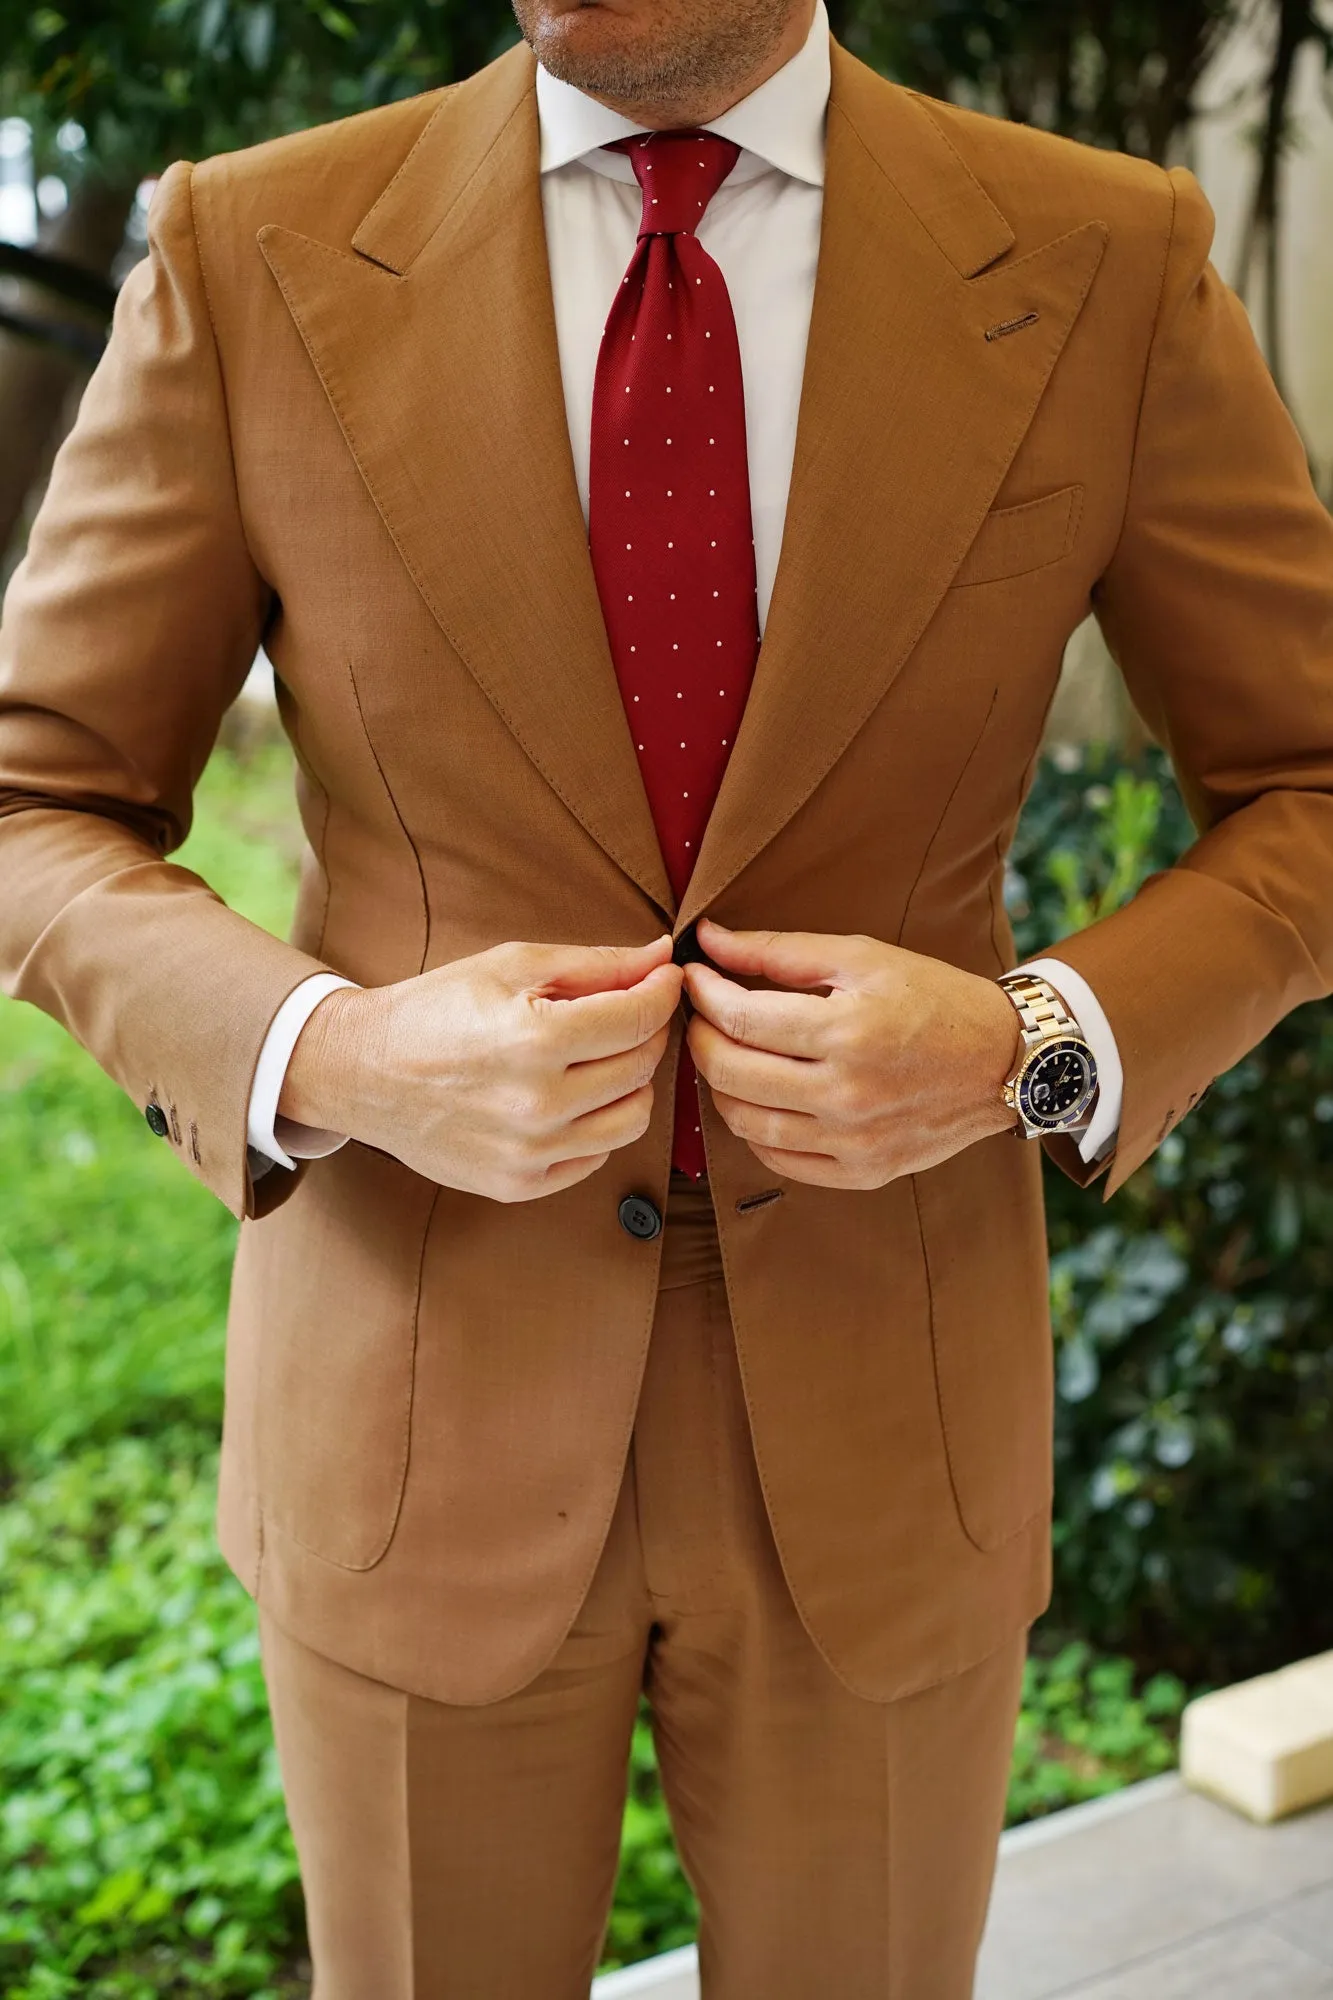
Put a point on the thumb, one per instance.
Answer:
(789, 958)
(567, 972)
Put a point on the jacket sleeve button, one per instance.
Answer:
(640, 1217)
(157, 1120)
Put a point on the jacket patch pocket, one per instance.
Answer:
(1015, 540)
(339, 1279)
(983, 1233)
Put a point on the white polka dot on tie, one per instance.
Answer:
(707, 335)
(627, 497)
(685, 795)
(673, 597)
(668, 336)
(630, 598)
(720, 691)
(679, 695)
(629, 545)
(712, 545)
(669, 440)
(682, 746)
(668, 492)
(671, 545)
(710, 389)
(668, 392)
(674, 647)
(719, 642)
(687, 844)
(715, 593)
(712, 492)
(724, 743)
(641, 746)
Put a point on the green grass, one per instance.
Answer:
(143, 1846)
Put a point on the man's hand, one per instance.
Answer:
(896, 1068)
(512, 1074)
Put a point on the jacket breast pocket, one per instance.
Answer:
(1012, 541)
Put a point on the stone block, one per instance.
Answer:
(1265, 1746)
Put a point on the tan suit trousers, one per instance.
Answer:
(836, 1845)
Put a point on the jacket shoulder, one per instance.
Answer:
(319, 181)
(1044, 182)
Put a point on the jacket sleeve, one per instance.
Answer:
(1217, 606)
(128, 629)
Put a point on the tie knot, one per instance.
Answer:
(679, 173)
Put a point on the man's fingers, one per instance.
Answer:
(606, 1079)
(565, 971)
(788, 1024)
(608, 1023)
(758, 1077)
(815, 1169)
(787, 1131)
(788, 958)
(614, 1125)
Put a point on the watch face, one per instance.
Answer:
(1058, 1086)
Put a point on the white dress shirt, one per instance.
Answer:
(762, 229)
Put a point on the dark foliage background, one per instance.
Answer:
(1194, 1313)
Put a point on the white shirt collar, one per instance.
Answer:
(779, 125)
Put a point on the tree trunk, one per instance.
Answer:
(35, 379)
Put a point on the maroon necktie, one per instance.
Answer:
(669, 524)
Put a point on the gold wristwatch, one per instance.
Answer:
(1055, 1079)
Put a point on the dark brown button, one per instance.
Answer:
(157, 1120)
(640, 1217)
(687, 949)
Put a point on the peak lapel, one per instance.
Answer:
(909, 420)
(436, 346)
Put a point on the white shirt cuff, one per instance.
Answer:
(1099, 1135)
(281, 1141)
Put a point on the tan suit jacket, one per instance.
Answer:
(330, 416)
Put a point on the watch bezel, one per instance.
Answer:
(1054, 1045)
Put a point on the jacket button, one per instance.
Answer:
(687, 949)
(157, 1120)
(640, 1217)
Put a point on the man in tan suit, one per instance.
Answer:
(503, 1447)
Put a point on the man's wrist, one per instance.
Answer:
(1008, 1050)
(319, 1088)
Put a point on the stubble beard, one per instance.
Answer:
(684, 62)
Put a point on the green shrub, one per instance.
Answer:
(1086, 1730)
(143, 1842)
(1194, 1314)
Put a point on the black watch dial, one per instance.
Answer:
(1059, 1085)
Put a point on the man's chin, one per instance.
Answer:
(592, 49)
